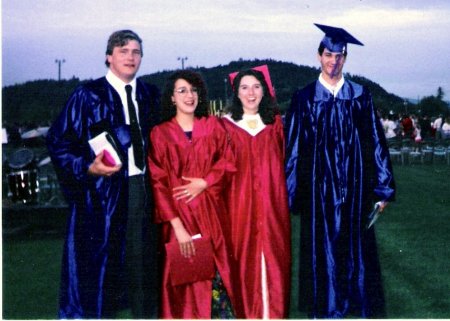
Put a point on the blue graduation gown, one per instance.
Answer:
(337, 166)
(92, 276)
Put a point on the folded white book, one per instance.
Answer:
(101, 143)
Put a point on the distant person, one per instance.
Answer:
(414, 119)
(445, 130)
(437, 125)
(390, 128)
(425, 125)
(260, 229)
(189, 164)
(109, 259)
(407, 127)
(338, 166)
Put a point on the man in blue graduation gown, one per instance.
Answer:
(337, 168)
(109, 259)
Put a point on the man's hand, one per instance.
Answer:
(383, 205)
(97, 168)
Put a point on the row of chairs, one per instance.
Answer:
(430, 151)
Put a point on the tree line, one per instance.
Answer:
(39, 102)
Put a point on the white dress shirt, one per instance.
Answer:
(119, 86)
(333, 89)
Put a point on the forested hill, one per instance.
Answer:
(40, 101)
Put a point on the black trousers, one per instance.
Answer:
(141, 253)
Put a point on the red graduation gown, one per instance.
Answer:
(172, 156)
(260, 222)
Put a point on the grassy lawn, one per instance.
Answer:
(413, 243)
(31, 279)
(413, 237)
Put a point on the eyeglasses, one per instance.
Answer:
(183, 91)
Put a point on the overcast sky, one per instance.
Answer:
(406, 42)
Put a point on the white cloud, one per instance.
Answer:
(402, 37)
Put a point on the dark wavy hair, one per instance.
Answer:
(267, 107)
(169, 110)
(119, 39)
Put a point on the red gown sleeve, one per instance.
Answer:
(165, 208)
(225, 164)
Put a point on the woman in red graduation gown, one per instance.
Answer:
(189, 159)
(257, 201)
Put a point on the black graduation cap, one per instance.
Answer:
(336, 39)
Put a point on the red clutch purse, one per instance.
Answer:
(198, 267)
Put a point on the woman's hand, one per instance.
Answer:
(187, 247)
(191, 190)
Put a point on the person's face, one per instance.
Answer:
(250, 93)
(125, 61)
(185, 97)
(332, 64)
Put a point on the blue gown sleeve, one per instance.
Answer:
(292, 134)
(67, 139)
(384, 184)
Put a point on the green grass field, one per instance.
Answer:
(413, 237)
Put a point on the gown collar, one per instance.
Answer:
(334, 90)
(252, 124)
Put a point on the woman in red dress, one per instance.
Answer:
(257, 202)
(189, 159)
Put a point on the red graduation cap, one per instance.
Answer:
(264, 69)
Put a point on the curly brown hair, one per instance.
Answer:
(169, 110)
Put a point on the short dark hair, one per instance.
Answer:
(119, 39)
(322, 48)
(168, 109)
(267, 107)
